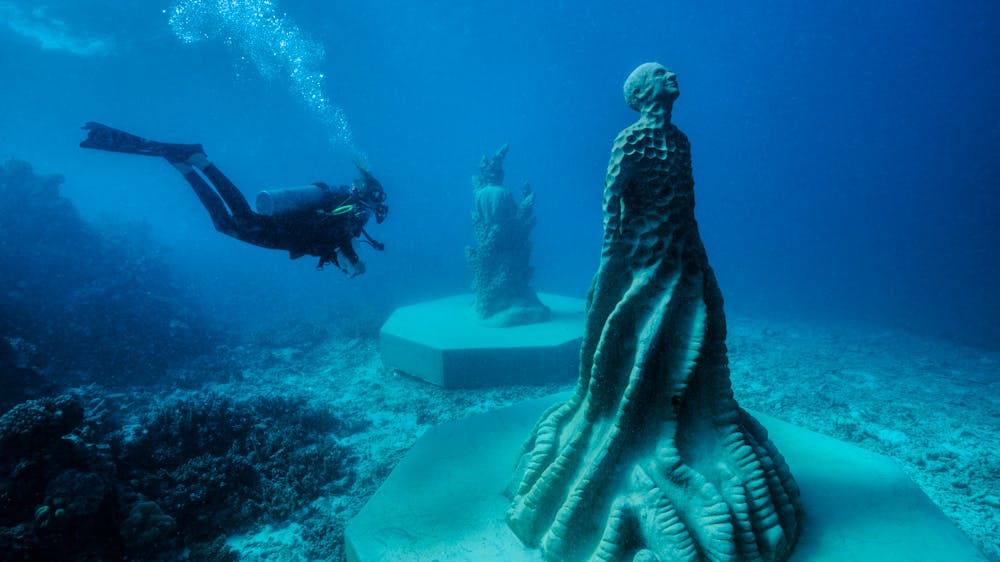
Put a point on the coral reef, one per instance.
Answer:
(652, 458)
(38, 424)
(78, 483)
(86, 300)
(58, 494)
(214, 464)
(19, 373)
(501, 258)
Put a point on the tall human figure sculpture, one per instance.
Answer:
(501, 258)
(652, 458)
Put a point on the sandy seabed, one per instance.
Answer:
(931, 405)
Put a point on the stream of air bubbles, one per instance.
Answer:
(273, 44)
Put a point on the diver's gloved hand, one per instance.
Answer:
(358, 269)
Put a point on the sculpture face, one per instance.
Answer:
(651, 84)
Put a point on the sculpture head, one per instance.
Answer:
(649, 85)
(491, 169)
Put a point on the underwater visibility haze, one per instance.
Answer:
(228, 402)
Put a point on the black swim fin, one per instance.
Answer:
(102, 137)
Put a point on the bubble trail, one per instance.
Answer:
(275, 45)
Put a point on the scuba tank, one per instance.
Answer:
(291, 199)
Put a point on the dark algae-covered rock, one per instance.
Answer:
(37, 425)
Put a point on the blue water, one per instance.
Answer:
(845, 154)
(847, 186)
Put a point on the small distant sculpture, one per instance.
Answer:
(652, 458)
(501, 258)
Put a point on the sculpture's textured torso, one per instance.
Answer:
(652, 458)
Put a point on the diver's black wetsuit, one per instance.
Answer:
(315, 231)
(320, 230)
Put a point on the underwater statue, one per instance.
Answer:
(501, 258)
(652, 458)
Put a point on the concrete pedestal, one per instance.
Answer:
(444, 342)
(444, 501)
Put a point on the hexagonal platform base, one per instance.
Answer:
(444, 501)
(444, 342)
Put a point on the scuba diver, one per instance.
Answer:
(317, 219)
